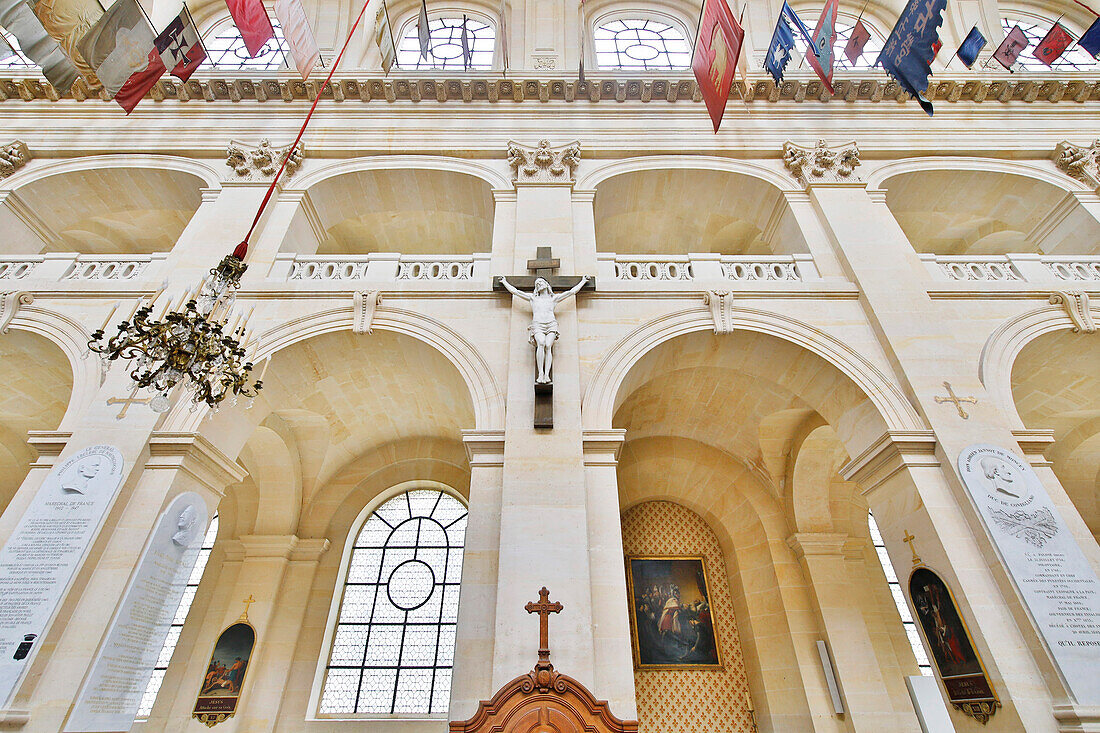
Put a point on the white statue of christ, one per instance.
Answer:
(543, 331)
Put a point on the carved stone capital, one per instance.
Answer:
(1080, 163)
(13, 156)
(364, 302)
(1077, 308)
(260, 162)
(543, 163)
(822, 163)
(721, 309)
(9, 306)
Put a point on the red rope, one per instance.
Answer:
(1086, 7)
(242, 249)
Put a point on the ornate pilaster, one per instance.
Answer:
(1078, 162)
(13, 156)
(543, 163)
(259, 162)
(822, 163)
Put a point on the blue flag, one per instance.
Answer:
(908, 51)
(971, 46)
(792, 17)
(779, 51)
(1091, 40)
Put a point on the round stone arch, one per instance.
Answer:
(495, 178)
(36, 172)
(598, 402)
(592, 178)
(1042, 172)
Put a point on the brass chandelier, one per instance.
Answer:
(192, 342)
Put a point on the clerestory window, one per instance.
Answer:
(642, 44)
(899, 600)
(225, 49)
(844, 28)
(445, 44)
(1073, 59)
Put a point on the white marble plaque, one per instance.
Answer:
(1058, 585)
(44, 551)
(112, 691)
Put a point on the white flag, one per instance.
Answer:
(18, 19)
(298, 35)
(383, 36)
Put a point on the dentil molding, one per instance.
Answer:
(822, 163)
(13, 156)
(543, 163)
(260, 162)
(1080, 163)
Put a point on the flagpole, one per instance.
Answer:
(698, 28)
(389, 27)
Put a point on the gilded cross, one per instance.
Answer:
(957, 401)
(908, 539)
(544, 608)
(247, 602)
(126, 402)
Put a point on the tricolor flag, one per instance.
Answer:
(467, 59)
(856, 42)
(251, 20)
(971, 46)
(139, 84)
(717, 50)
(299, 36)
(18, 18)
(119, 45)
(180, 47)
(820, 52)
(1090, 41)
(1011, 48)
(1053, 45)
(383, 36)
(423, 33)
(908, 51)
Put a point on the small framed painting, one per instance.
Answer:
(670, 613)
(220, 691)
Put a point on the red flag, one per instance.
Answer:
(180, 48)
(856, 42)
(1054, 43)
(1011, 48)
(717, 49)
(140, 82)
(252, 21)
(820, 55)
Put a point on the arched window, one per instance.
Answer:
(1074, 58)
(169, 647)
(643, 44)
(844, 26)
(393, 647)
(18, 61)
(899, 600)
(445, 44)
(225, 49)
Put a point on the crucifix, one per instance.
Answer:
(133, 399)
(908, 539)
(544, 608)
(543, 331)
(247, 602)
(957, 401)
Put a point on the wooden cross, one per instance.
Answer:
(908, 539)
(127, 401)
(247, 602)
(957, 401)
(544, 264)
(544, 608)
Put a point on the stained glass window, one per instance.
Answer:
(899, 600)
(169, 647)
(393, 647)
(641, 44)
(18, 61)
(1074, 58)
(844, 27)
(445, 44)
(225, 50)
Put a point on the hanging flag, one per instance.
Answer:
(856, 42)
(119, 44)
(140, 82)
(423, 32)
(6, 51)
(908, 51)
(820, 53)
(467, 59)
(18, 18)
(717, 49)
(1091, 40)
(1053, 45)
(383, 36)
(581, 35)
(180, 47)
(298, 35)
(1011, 48)
(503, 36)
(251, 20)
(66, 21)
(971, 46)
(779, 50)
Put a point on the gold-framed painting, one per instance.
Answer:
(220, 691)
(671, 622)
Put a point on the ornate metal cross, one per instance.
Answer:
(247, 602)
(544, 608)
(957, 401)
(908, 539)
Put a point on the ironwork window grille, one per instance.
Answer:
(640, 44)
(899, 600)
(445, 44)
(393, 648)
(844, 28)
(1074, 58)
(173, 637)
(225, 49)
(18, 61)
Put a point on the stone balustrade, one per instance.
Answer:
(1029, 268)
(380, 266)
(707, 267)
(69, 266)
(1074, 268)
(17, 268)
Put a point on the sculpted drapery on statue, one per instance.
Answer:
(543, 331)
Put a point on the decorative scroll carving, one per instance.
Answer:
(260, 162)
(543, 163)
(721, 309)
(822, 164)
(1080, 163)
(1077, 308)
(13, 156)
(9, 306)
(365, 303)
